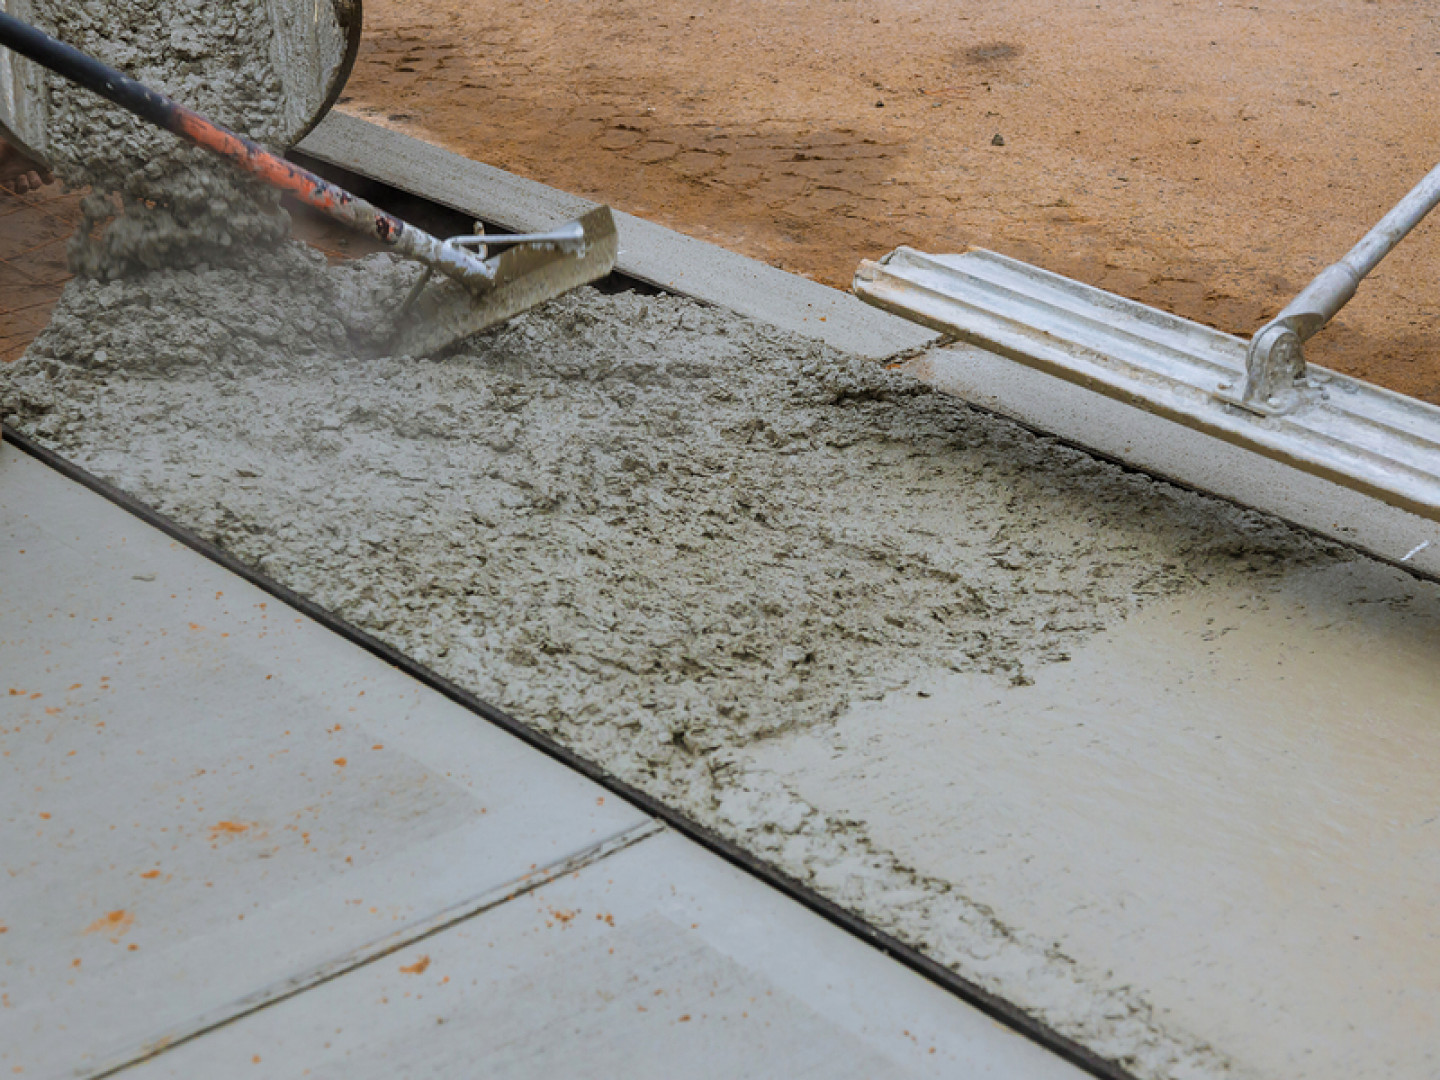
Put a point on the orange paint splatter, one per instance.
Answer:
(150, 875)
(417, 968)
(685, 1019)
(113, 925)
(255, 1060)
(340, 761)
(45, 815)
(77, 686)
(222, 828)
(75, 963)
(378, 746)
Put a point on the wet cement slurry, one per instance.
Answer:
(1206, 158)
(677, 542)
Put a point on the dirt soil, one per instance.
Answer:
(1207, 158)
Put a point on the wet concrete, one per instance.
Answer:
(1226, 802)
(673, 539)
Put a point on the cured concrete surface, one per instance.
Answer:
(652, 964)
(212, 804)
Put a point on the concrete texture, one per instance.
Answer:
(1228, 800)
(213, 808)
(666, 536)
(750, 288)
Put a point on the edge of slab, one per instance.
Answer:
(649, 252)
(988, 1003)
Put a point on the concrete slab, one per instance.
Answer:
(658, 962)
(206, 799)
(1227, 801)
(232, 839)
(648, 252)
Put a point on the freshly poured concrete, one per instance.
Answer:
(212, 804)
(756, 291)
(1164, 448)
(671, 539)
(1229, 800)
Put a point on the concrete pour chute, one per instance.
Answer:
(155, 201)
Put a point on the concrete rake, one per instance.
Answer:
(1259, 394)
(481, 289)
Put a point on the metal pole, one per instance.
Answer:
(1335, 285)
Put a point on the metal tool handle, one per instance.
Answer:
(314, 191)
(1275, 360)
(1335, 285)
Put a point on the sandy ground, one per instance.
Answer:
(1207, 158)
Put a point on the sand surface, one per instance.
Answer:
(654, 530)
(1204, 157)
